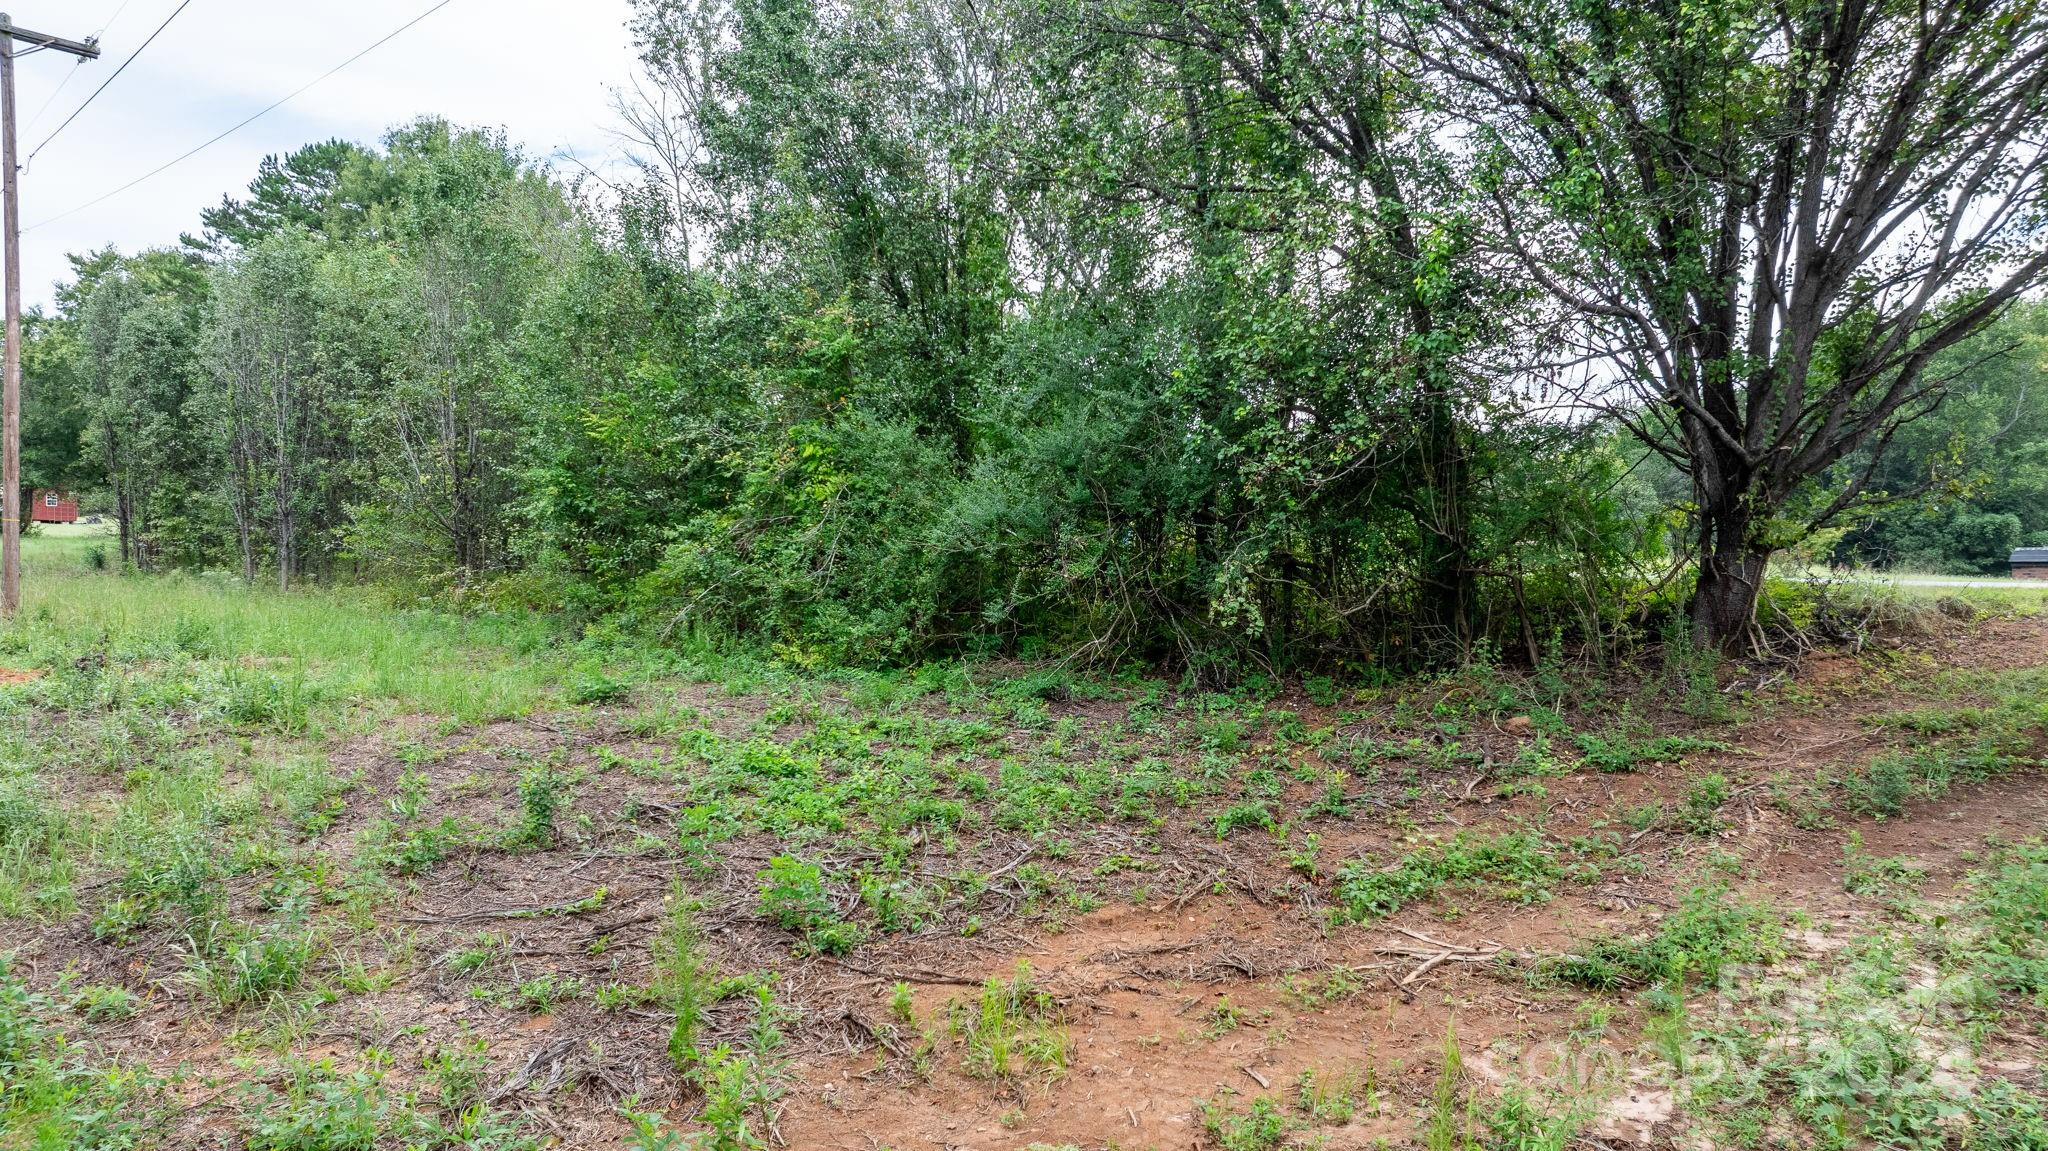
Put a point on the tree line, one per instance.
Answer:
(1366, 333)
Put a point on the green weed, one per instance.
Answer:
(1244, 816)
(1262, 1126)
(1887, 877)
(1700, 811)
(255, 966)
(1013, 1029)
(479, 956)
(99, 1002)
(50, 1096)
(544, 992)
(684, 981)
(541, 792)
(1518, 1121)
(1336, 1099)
(456, 1071)
(1515, 865)
(1710, 932)
(2009, 899)
(1222, 1018)
(1621, 752)
(793, 897)
(1448, 1127)
(319, 1107)
(741, 1088)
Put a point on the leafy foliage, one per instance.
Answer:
(1010, 328)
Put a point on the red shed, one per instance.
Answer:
(49, 506)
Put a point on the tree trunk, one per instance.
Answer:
(1731, 580)
(1444, 615)
(124, 515)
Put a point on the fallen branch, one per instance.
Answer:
(918, 976)
(584, 906)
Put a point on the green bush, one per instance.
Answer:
(838, 568)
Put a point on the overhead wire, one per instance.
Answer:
(66, 82)
(184, 4)
(168, 165)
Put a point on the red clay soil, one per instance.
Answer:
(1138, 982)
(1142, 982)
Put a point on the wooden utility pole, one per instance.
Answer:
(10, 402)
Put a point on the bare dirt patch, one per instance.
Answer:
(1182, 961)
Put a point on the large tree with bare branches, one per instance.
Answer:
(1769, 218)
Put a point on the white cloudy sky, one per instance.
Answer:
(542, 71)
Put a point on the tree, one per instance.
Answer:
(271, 408)
(53, 416)
(1334, 77)
(139, 324)
(327, 187)
(1961, 487)
(1769, 220)
(477, 228)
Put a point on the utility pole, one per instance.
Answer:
(10, 402)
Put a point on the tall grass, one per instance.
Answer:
(346, 644)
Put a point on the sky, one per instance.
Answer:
(543, 72)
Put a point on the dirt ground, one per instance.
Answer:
(1209, 971)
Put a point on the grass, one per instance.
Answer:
(254, 967)
(340, 645)
(1449, 1125)
(52, 1097)
(1012, 1030)
(1875, 1043)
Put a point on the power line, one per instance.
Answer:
(109, 80)
(111, 19)
(159, 170)
(37, 118)
(66, 82)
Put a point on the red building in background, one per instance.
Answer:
(47, 506)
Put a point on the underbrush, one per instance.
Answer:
(1812, 612)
